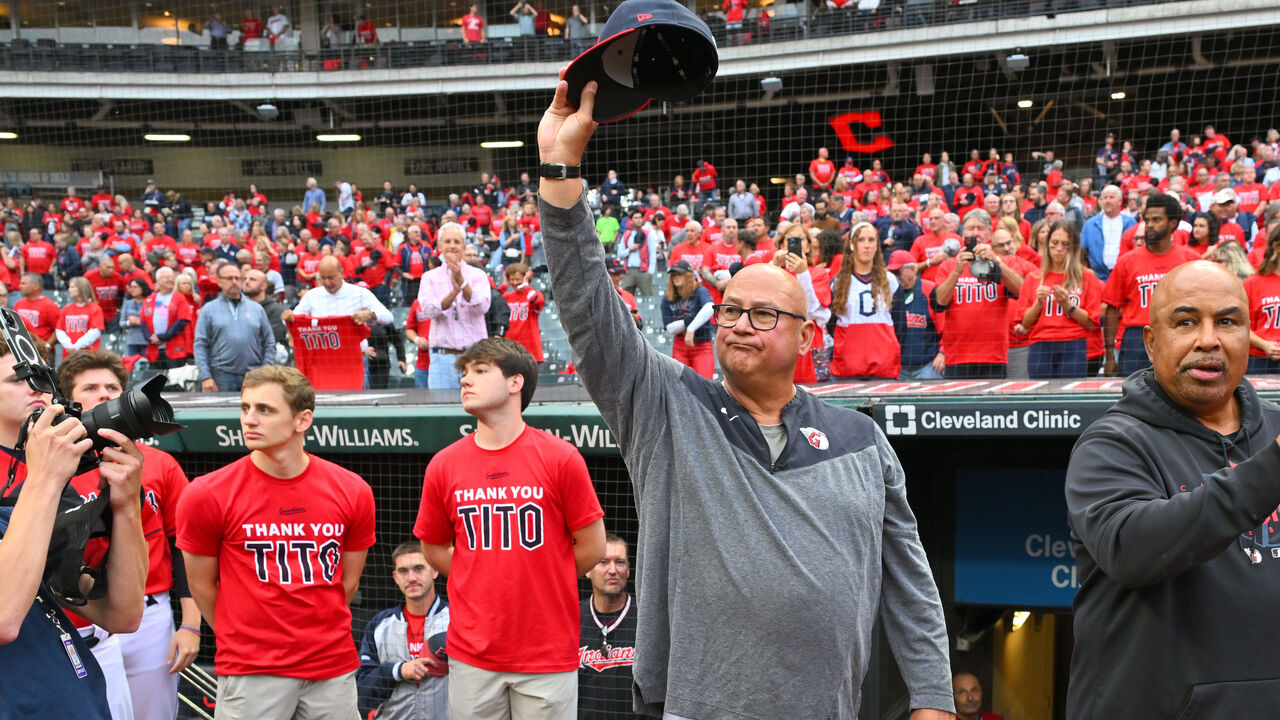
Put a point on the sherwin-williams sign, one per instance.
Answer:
(1013, 547)
(424, 429)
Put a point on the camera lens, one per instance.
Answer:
(137, 414)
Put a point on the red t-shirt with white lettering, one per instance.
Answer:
(40, 316)
(822, 172)
(282, 607)
(1250, 195)
(39, 256)
(1054, 325)
(977, 328)
(472, 27)
(76, 320)
(526, 304)
(511, 515)
(107, 291)
(327, 351)
(163, 482)
(1264, 307)
(1134, 278)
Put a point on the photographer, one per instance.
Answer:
(976, 288)
(46, 669)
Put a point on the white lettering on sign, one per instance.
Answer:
(582, 435)
(333, 436)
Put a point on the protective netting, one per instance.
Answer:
(404, 125)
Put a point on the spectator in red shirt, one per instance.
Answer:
(968, 196)
(1127, 293)
(250, 27)
(38, 256)
(704, 179)
(975, 339)
(366, 33)
(1252, 195)
(473, 26)
(71, 204)
(107, 290)
(927, 168)
(1233, 224)
(1263, 290)
(1063, 305)
(822, 172)
(80, 324)
(974, 165)
(39, 313)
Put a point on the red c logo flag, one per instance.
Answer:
(841, 124)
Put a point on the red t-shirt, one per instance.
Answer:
(472, 27)
(251, 28)
(628, 298)
(1134, 278)
(976, 329)
(165, 242)
(511, 514)
(39, 256)
(929, 170)
(163, 482)
(1249, 195)
(526, 304)
(107, 290)
(282, 609)
(924, 248)
(71, 205)
(327, 351)
(420, 323)
(1054, 325)
(1264, 307)
(366, 32)
(705, 178)
(1231, 231)
(308, 263)
(76, 320)
(188, 254)
(88, 485)
(40, 316)
(822, 172)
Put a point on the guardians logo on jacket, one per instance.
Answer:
(1262, 541)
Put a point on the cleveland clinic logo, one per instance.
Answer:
(899, 419)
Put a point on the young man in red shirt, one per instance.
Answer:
(274, 544)
(518, 508)
(250, 27)
(1127, 293)
(704, 179)
(526, 305)
(155, 653)
(975, 339)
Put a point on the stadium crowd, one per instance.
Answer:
(964, 269)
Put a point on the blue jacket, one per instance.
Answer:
(36, 676)
(384, 648)
(1093, 242)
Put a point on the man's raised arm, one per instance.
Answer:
(617, 366)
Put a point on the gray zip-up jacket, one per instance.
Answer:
(233, 340)
(759, 581)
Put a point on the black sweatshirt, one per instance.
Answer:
(1178, 547)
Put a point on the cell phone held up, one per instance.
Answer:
(794, 246)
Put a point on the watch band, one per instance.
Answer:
(559, 171)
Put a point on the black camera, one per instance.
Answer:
(140, 413)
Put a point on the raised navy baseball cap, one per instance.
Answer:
(649, 49)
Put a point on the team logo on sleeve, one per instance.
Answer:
(816, 438)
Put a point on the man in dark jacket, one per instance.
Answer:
(1172, 499)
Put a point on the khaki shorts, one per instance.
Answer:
(476, 694)
(270, 697)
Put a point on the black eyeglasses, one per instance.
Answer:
(761, 318)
